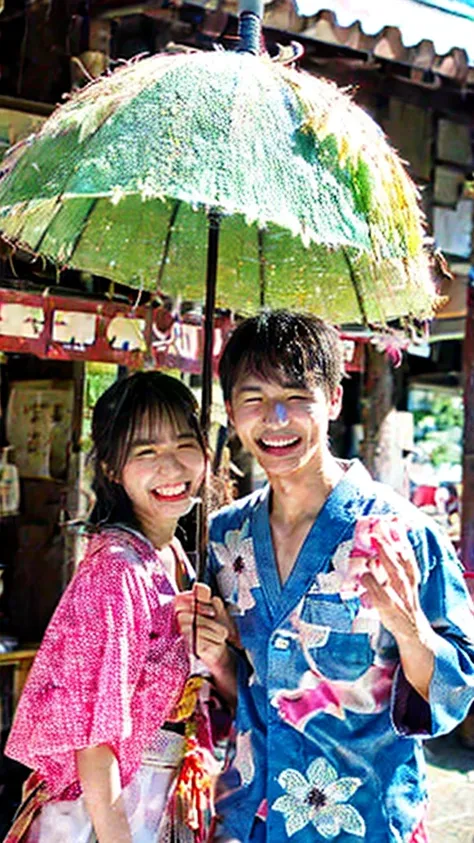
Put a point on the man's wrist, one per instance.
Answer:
(422, 636)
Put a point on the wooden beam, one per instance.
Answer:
(42, 109)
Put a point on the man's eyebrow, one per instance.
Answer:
(248, 388)
(295, 385)
(286, 385)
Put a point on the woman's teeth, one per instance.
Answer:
(170, 491)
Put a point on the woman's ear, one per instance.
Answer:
(109, 474)
(230, 413)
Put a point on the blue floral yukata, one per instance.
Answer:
(329, 731)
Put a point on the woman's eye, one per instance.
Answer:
(145, 452)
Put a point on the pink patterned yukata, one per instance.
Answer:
(111, 669)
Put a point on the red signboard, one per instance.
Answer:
(62, 327)
(68, 328)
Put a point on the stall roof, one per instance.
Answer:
(448, 24)
(430, 36)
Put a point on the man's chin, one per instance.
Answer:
(279, 466)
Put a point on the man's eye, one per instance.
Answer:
(255, 399)
(298, 398)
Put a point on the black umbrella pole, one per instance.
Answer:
(250, 26)
(211, 279)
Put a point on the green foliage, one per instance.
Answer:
(443, 453)
(99, 376)
(438, 428)
(447, 413)
(444, 413)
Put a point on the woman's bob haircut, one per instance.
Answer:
(135, 404)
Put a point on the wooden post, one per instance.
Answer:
(377, 404)
(467, 527)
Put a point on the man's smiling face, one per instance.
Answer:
(283, 425)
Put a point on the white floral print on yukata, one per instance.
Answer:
(319, 799)
(243, 761)
(330, 582)
(238, 573)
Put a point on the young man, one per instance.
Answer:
(347, 663)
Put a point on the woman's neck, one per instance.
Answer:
(160, 534)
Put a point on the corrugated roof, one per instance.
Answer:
(448, 24)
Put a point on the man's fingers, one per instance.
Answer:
(399, 563)
(383, 596)
(215, 630)
(184, 598)
(389, 574)
(398, 552)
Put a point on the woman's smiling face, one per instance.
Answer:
(284, 426)
(164, 469)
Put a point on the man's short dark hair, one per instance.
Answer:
(296, 348)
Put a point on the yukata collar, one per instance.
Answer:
(147, 552)
(334, 524)
(355, 485)
(184, 571)
(126, 528)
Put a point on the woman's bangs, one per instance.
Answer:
(147, 415)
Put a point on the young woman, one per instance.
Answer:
(113, 725)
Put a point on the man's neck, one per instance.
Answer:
(295, 504)
(299, 497)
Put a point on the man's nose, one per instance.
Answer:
(276, 413)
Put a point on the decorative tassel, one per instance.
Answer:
(194, 792)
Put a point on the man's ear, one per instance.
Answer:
(335, 403)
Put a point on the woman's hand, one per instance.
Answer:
(208, 629)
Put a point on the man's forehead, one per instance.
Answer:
(254, 383)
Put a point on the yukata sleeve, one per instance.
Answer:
(80, 691)
(447, 605)
(122, 624)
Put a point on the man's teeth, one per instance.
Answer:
(170, 491)
(280, 443)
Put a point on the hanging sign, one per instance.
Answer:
(68, 328)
